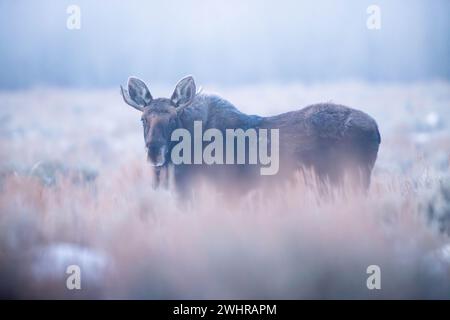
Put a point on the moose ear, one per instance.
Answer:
(138, 96)
(184, 92)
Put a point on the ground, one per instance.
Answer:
(76, 189)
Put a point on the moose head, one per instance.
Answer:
(159, 116)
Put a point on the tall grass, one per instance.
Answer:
(75, 189)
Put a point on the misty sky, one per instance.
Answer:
(226, 42)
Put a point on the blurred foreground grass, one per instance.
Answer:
(75, 189)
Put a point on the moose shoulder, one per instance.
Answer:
(333, 140)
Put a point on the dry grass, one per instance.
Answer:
(75, 189)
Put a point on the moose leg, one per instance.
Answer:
(156, 177)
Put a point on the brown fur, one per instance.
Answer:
(335, 141)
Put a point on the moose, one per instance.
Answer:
(331, 140)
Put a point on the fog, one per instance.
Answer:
(223, 42)
(76, 188)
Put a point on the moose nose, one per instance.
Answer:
(153, 149)
(156, 154)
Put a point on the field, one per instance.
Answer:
(75, 188)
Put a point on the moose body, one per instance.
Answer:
(332, 140)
